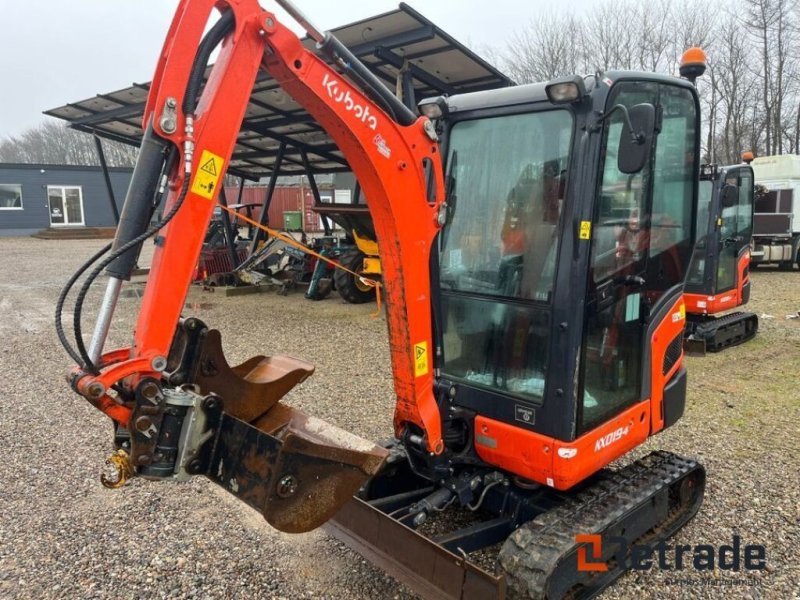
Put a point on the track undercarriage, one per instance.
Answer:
(415, 531)
(713, 334)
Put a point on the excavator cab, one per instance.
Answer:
(567, 240)
(719, 275)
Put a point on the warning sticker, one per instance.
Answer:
(586, 230)
(207, 176)
(420, 359)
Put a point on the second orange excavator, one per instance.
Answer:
(719, 276)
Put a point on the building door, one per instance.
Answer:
(66, 205)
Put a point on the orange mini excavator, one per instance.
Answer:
(719, 274)
(529, 346)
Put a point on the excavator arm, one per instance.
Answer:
(179, 408)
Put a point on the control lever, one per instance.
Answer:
(630, 280)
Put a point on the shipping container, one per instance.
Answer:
(294, 199)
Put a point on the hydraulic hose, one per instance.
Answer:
(370, 83)
(145, 180)
(212, 39)
(88, 363)
(191, 97)
(62, 298)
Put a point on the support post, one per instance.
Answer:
(312, 183)
(250, 228)
(263, 218)
(230, 236)
(241, 191)
(409, 95)
(102, 156)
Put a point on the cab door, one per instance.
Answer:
(642, 237)
(735, 227)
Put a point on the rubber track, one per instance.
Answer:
(533, 552)
(708, 331)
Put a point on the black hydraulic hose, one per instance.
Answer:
(217, 33)
(62, 298)
(212, 39)
(150, 163)
(88, 364)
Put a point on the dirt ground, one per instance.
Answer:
(63, 535)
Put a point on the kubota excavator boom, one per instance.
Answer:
(534, 305)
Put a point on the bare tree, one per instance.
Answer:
(548, 47)
(750, 97)
(54, 143)
(775, 24)
(736, 86)
(653, 35)
(608, 38)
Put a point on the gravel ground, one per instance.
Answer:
(63, 535)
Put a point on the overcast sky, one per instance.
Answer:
(55, 52)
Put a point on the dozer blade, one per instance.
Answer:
(296, 470)
(425, 566)
(645, 502)
(693, 346)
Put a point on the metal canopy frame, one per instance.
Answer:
(278, 137)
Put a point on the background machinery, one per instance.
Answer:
(361, 254)
(529, 346)
(719, 275)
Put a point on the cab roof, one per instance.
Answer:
(535, 92)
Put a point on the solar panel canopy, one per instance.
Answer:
(400, 46)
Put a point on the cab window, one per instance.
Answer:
(498, 249)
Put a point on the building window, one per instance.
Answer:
(66, 205)
(10, 196)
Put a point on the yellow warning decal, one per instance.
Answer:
(207, 176)
(420, 359)
(586, 230)
(680, 315)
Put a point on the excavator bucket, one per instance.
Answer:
(295, 469)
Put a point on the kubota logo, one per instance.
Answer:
(344, 97)
(610, 438)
